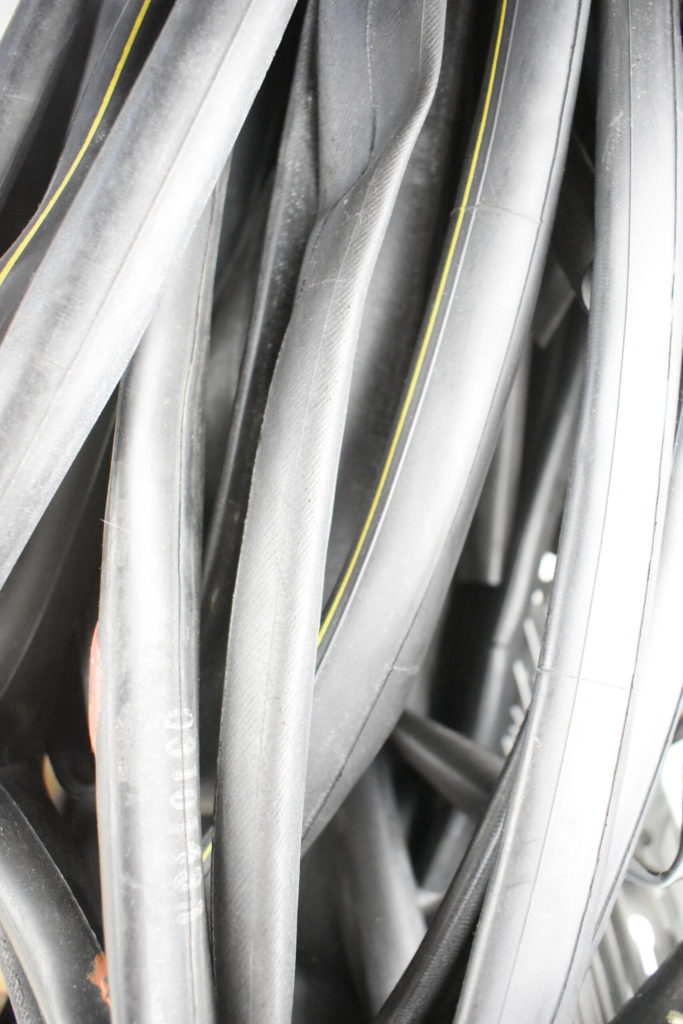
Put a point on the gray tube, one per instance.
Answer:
(557, 833)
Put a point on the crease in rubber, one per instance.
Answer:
(424, 347)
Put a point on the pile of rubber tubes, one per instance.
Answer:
(341, 511)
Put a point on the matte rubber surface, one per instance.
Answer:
(562, 811)
(31, 54)
(462, 771)
(381, 922)
(367, 317)
(97, 286)
(415, 996)
(377, 627)
(655, 708)
(24, 1006)
(278, 594)
(147, 743)
(53, 942)
(103, 93)
(300, 177)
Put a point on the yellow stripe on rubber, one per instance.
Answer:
(422, 353)
(54, 198)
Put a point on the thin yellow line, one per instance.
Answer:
(30, 235)
(425, 341)
(206, 853)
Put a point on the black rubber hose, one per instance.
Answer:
(655, 712)
(291, 216)
(376, 891)
(102, 98)
(54, 944)
(659, 994)
(461, 770)
(97, 286)
(379, 623)
(248, 195)
(24, 1007)
(32, 50)
(49, 134)
(383, 65)
(543, 491)
(25, 785)
(538, 524)
(156, 926)
(563, 810)
(574, 229)
(655, 707)
(486, 550)
(108, 14)
(401, 282)
(426, 977)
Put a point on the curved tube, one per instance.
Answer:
(97, 286)
(108, 14)
(32, 50)
(21, 997)
(291, 217)
(654, 709)
(248, 198)
(424, 980)
(102, 98)
(401, 282)
(381, 923)
(563, 809)
(461, 770)
(278, 593)
(55, 947)
(536, 532)
(147, 741)
(539, 522)
(377, 625)
(655, 712)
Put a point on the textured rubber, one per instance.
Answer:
(278, 594)
(548, 452)
(654, 708)
(563, 809)
(147, 742)
(401, 281)
(382, 616)
(416, 995)
(97, 286)
(291, 217)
